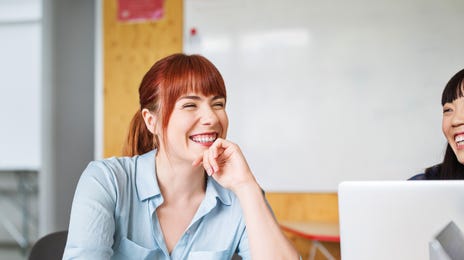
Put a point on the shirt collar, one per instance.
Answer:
(215, 190)
(146, 182)
(214, 194)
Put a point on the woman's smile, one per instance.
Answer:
(206, 139)
(459, 139)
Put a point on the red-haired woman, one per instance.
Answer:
(183, 191)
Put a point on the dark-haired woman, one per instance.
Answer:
(452, 101)
(183, 191)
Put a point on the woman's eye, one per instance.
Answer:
(189, 105)
(446, 110)
(218, 105)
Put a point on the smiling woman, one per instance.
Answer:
(452, 101)
(184, 191)
(160, 90)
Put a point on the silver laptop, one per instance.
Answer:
(400, 219)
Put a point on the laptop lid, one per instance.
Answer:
(396, 219)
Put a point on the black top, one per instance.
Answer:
(433, 174)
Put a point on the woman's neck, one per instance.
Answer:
(179, 180)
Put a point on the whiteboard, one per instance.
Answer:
(321, 92)
(20, 95)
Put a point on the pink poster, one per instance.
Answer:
(140, 10)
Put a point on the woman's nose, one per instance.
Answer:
(458, 116)
(208, 116)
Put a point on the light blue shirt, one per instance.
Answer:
(114, 216)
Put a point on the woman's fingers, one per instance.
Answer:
(206, 163)
(213, 158)
(197, 161)
(225, 162)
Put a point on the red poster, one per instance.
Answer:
(140, 10)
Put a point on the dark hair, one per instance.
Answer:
(166, 81)
(450, 168)
(454, 89)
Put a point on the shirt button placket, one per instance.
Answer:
(182, 246)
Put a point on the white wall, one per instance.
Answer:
(20, 115)
(20, 67)
(326, 91)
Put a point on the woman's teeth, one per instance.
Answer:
(459, 138)
(204, 138)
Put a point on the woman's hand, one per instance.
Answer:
(225, 162)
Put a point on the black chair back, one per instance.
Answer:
(50, 247)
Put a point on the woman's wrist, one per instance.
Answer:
(246, 189)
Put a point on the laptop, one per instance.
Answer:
(400, 219)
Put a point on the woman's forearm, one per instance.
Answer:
(264, 234)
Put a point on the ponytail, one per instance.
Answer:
(139, 139)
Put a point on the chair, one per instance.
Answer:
(50, 247)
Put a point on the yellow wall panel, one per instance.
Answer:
(129, 49)
(306, 207)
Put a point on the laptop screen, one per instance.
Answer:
(396, 219)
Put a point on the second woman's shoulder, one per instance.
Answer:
(430, 173)
(418, 177)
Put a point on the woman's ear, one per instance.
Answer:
(150, 120)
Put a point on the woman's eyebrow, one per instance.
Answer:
(218, 97)
(199, 98)
(190, 97)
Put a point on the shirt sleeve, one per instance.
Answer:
(92, 223)
(418, 177)
(243, 249)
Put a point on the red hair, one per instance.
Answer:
(164, 83)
